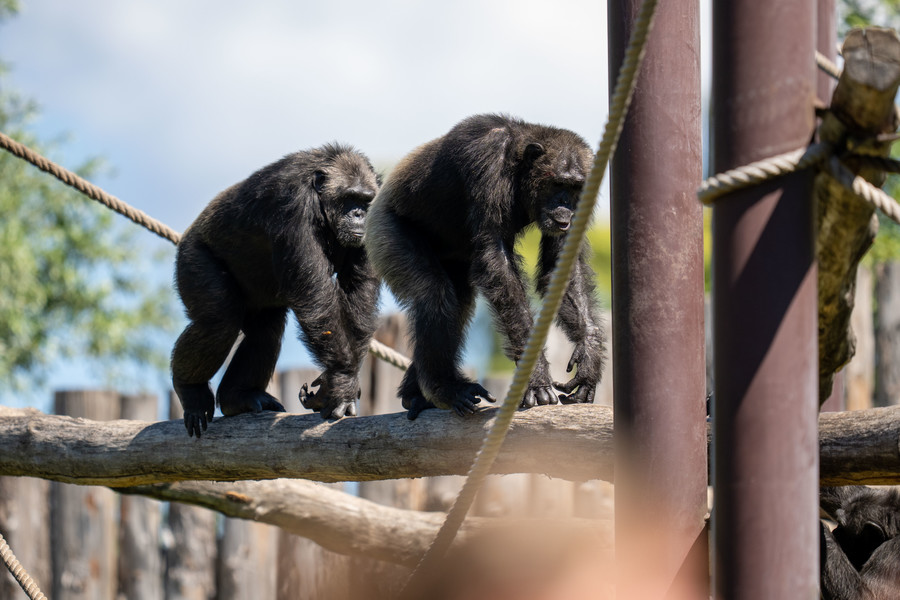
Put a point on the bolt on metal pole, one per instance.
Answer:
(659, 376)
(765, 465)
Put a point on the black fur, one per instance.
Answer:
(860, 559)
(444, 226)
(288, 237)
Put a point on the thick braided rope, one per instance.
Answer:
(826, 66)
(18, 572)
(760, 171)
(389, 355)
(92, 191)
(484, 460)
(862, 188)
(88, 189)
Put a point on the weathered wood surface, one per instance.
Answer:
(860, 447)
(333, 519)
(568, 442)
(862, 108)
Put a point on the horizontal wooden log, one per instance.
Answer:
(336, 520)
(568, 442)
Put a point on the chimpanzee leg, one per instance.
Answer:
(243, 388)
(215, 306)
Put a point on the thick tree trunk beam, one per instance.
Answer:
(568, 442)
(336, 520)
(862, 108)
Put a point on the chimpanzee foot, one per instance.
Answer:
(461, 397)
(235, 402)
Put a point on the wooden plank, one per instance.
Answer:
(24, 519)
(83, 519)
(191, 553)
(140, 569)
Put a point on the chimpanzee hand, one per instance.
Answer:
(199, 404)
(330, 400)
(539, 391)
(581, 388)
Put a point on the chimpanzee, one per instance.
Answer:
(287, 237)
(860, 559)
(444, 226)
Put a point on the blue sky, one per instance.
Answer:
(185, 98)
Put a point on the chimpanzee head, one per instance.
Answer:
(554, 167)
(346, 184)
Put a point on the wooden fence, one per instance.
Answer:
(89, 543)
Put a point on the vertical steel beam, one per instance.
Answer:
(659, 374)
(765, 523)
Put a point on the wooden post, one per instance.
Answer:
(248, 564)
(887, 334)
(191, 555)
(24, 518)
(860, 371)
(305, 569)
(140, 554)
(82, 520)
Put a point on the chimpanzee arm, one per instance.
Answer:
(316, 300)
(881, 573)
(358, 291)
(578, 318)
(840, 580)
(496, 271)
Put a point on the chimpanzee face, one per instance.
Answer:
(346, 189)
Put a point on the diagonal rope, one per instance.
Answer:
(484, 460)
(90, 190)
(18, 572)
(826, 66)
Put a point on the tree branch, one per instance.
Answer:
(569, 442)
(275, 445)
(333, 519)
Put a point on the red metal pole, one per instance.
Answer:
(659, 373)
(764, 308)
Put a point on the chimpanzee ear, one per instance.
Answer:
(873, 533)
(532, 151)
(319, 179)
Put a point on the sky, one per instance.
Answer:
(184, 99)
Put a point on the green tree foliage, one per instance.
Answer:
(74, 279)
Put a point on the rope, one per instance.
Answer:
(18, 572)
(826, 66)
(88, 189)
(862, 188)
(760, 171)
(484, 460)
(141, 218)
(389, 355)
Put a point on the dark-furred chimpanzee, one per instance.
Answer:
(860, 559)
(287, 237)
(444, 226)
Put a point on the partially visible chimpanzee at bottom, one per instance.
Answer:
(860, 559)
